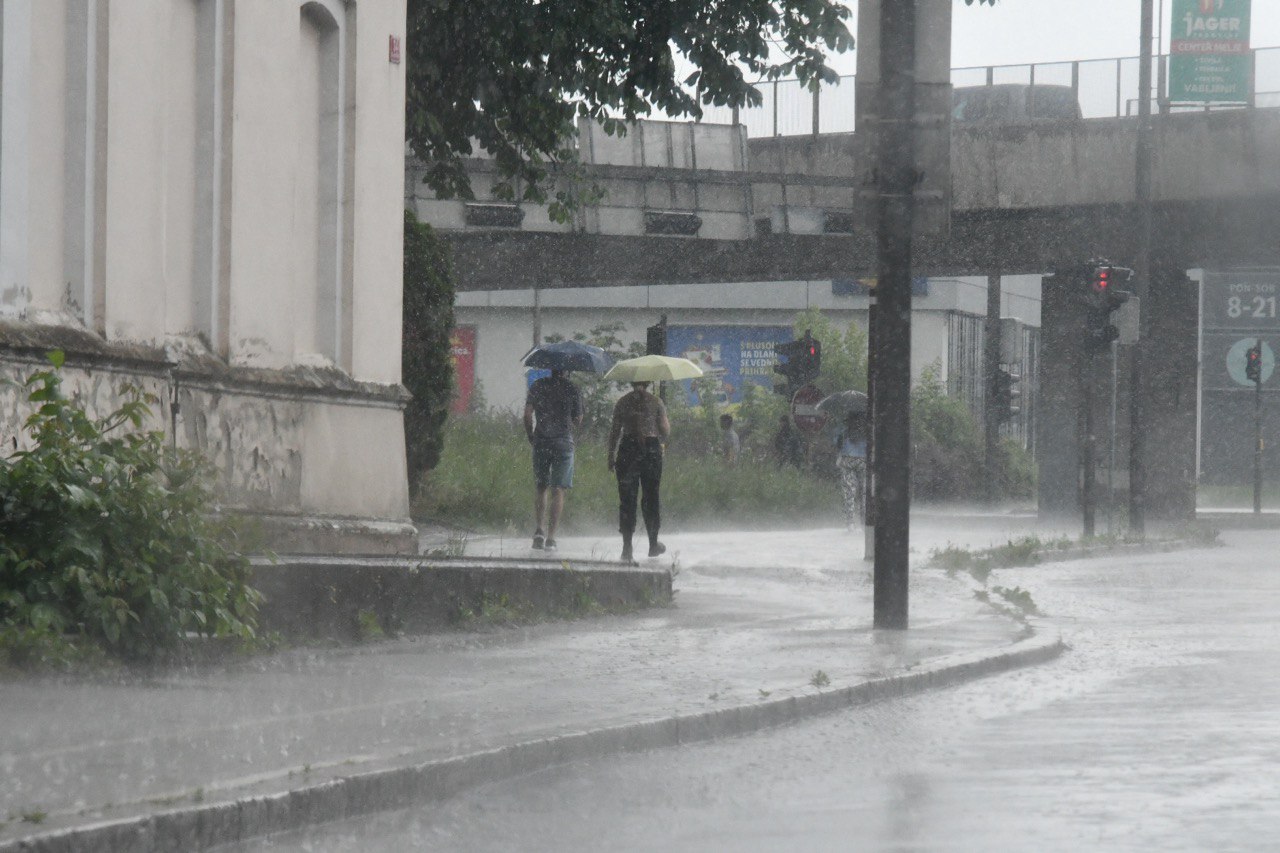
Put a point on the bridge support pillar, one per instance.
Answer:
(1169, 397)
(1057, 426)
(1170, 364)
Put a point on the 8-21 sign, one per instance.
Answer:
(1245, 300)
(1257, 307)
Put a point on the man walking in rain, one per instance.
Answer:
(552, 410)
(636, 437)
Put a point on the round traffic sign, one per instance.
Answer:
(804, 408)
(1237, 356)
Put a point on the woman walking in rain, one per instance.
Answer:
(636, 437)
(851, 462)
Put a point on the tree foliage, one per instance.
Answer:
(106, 541)
(513, 76)
(425, 364)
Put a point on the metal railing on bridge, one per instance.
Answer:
(1105, 88)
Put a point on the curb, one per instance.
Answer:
(330, 597)
(200, 827)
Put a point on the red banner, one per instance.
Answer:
(462, 352)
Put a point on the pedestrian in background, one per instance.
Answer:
(788, 449)
(851, 462)
(637, 434)
(730, 444)
(552, 410)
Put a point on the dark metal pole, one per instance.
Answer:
(1257, 436)
(1142, 284)
(895, 159)
(990, 369)
(869, 504)
(1088, 455)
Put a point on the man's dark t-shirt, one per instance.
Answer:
(556, 405)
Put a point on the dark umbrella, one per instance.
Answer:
(568, 355)
(843, 403)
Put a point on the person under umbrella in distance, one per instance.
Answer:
(636, 436)
(851, 462)
(552, 410)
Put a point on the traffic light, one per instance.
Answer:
(656, 338)
(1008, 394)
(802, 365)
(1103, 297)
(1253, 364)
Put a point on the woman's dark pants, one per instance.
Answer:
(639, 467)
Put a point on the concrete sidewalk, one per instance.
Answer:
(183, 760)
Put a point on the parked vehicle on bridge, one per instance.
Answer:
(1014, 103)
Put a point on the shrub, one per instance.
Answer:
(104, 540)
(425, 356)
(946, 443)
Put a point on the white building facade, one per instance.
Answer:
(205, 197)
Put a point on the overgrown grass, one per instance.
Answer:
(484, 480)
(1024, 551)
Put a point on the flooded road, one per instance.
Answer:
(1159, 730)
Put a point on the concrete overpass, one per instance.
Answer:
(1026, 198)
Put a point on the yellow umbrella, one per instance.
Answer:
(653, 368)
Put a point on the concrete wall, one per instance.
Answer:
(1056, 164)
(1199, 156)
(685, 167)
(213, 189)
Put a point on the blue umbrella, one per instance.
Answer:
(568, 355)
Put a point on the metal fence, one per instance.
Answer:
(1105, 88)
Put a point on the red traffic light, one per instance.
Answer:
(1101, 279)
(1253, 364)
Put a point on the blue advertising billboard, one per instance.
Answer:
(733, 356)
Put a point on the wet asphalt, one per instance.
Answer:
(1158, 730)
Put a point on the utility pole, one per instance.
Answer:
(903, 143)
(895, 208)
(1142, 285)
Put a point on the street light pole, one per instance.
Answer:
(992, 415)
(1142, 282)
(1257, 435)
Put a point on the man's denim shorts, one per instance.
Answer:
(553, 468)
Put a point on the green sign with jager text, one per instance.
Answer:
(1209, 58)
